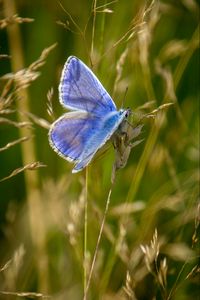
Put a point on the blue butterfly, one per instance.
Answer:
(78, 135)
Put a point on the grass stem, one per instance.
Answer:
(85, 230)
(28, 154)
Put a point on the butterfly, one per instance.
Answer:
(79, 134)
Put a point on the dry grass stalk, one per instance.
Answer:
(23, 78)
(135, 28)
(151, 252)
(12, 268)
(195, 237)
(121, 246)
(49, 103)
(74, 222)
(119, 69)
(171, 50)
(42, 59)
(99, 8)
(7, 111)
(31, 167)
(15, 124)
(194, 272)
(157, 113)
(162, 273)
(6, 96)
(13, 143)
(30, 295)
(129, 287)
(64, 25)
(127, 208)
(37, 120)
(4, 56)
(167, 76)
(146, 105)
(6, 265)
(14, 19)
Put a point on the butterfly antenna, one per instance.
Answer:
(123, 100)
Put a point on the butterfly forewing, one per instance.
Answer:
(79, 89)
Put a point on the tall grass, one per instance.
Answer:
(80, 236)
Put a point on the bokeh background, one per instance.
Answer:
(149, 247)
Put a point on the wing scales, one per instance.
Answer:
(79, 89)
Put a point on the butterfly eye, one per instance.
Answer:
(128, 112)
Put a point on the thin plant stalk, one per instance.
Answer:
(108, 268)
(182, 64)
(102, 31)
(93, 27)
(98, 243)
(139, 172)
(184, 59)
(155, 129)
(85, 231)
(28, 154)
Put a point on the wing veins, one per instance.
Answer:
(99, 103)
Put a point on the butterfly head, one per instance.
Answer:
(125, 112)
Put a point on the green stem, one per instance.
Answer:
(85, 231)
(93, 27)
(37, 229)
(98, 243)
(184, 60)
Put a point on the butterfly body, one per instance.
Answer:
(79, 134)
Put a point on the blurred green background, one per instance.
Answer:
(151, 48)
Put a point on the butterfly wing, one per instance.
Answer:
(107, 127)
(77, 136)
(79, 89)
(69, 134)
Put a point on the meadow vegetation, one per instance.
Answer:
(103, 233)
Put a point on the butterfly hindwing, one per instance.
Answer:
(77, 136)
(69, 134)
(99, 137)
